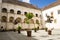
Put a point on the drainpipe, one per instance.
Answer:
(42, 24)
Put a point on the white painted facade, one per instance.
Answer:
(56, 16)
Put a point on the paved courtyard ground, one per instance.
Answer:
(39, 35)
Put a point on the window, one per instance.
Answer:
(36, 15)
(18, 12)
(3, 19)
(40, 17)
(52, 14)
(25, 13)
(46, 15)
(11, 11)
(4, 10)
(58, 11)
(11, 19)
(18, 20)
(52, 17)
(31, 21)
(55, 21)
(25, 20)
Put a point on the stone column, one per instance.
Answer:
(0, 11)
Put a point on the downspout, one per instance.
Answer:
(42, 24)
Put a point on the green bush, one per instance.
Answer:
(19, 27)
(29, 15)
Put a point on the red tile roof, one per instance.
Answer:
(51, 5)
(21, 4)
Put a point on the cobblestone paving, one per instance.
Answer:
(39, 35)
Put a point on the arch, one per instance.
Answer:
(32, 21)
(37, 21)
(11, 19)
(18, 12)
(4, 10)
(3, 19)
(25, 13)
(18, 20)
(11, 11)
(25, 20)
(36, 15)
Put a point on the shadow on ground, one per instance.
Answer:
(14, 36)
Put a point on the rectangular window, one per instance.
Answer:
(54, 20)
(58, 11)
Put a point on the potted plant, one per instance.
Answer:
(2, 28)
(49, 32)
(46, 29)
(14, 30)
(49, 21)
(37, 22)
(35, 29)
(29, 16)
(19, 29)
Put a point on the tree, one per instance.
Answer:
(29, 16)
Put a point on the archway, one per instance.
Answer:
(11, 19)
(3, 19)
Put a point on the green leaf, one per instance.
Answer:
(19, 27)
(26, 20)
(29, 15)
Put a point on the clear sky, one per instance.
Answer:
(42, 3)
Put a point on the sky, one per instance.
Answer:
(40, 3)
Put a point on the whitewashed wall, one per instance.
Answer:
(55, 14)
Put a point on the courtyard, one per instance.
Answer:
(39, 35)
